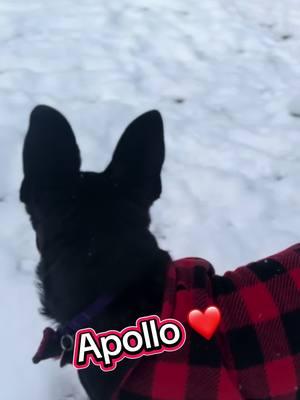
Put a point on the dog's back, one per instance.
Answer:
(256, 352)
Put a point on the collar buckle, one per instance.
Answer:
(67, 342)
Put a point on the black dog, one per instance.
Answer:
(93, 235)
(92, 229)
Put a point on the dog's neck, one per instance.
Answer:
(73, 277)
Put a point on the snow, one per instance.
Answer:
(295, 107)
(224, 74)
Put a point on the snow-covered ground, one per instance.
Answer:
(226, 76)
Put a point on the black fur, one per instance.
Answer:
(92, 229)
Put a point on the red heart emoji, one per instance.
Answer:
(205, 323)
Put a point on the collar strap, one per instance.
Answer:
(56, 344)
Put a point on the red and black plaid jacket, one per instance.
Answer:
(255, 353)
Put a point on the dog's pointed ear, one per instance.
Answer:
(50, 152)
(138, 158)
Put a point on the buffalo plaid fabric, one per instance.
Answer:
(255, 354)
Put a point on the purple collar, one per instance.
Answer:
(59, 343)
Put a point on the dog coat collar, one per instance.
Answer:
(59, 343)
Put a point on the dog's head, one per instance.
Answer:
(97, 221)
